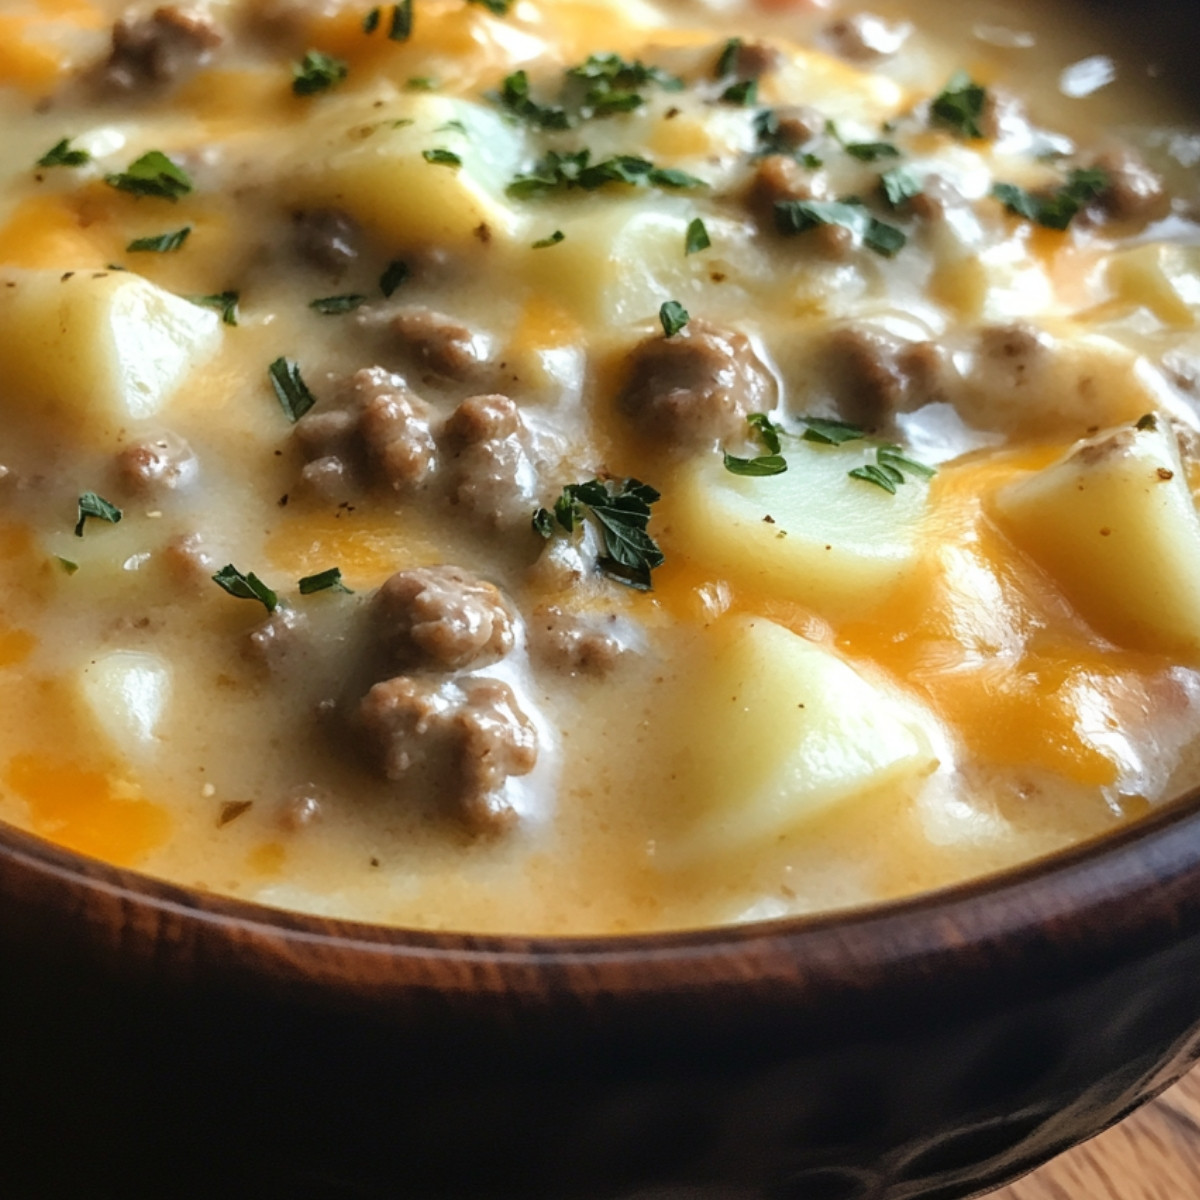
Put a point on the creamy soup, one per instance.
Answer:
(591, 465)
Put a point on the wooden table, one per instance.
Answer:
(1153, 1155)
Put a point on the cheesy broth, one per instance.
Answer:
(594, 466)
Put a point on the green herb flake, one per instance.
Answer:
(164, 243)
(324, 581)
(871, 151)
(294, 397)
(765, 430)
(498, 8)
(1058, 208)
(870, 473)
(727, 63)
(893, 456)
(92, 505)
(898, 185)
(68, 565)
(451, 127)
(61, 154)
(441, 157)
(743, 93)
(960, 106)
(246, 587)
(794, 217)
(154, 174)
(559, 172)
(332, 306)
(764, 465)
(226, 303)
(1148, 421)
(401, 26)
(673, 316)
(515, 96)
(393, 276)
(553, 240)
(829, 432)
(621, 512)
(696, 238)
(371, 21)
(889, 468)
(317, 72)
(421, 83)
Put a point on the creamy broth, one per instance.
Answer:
(912, 657)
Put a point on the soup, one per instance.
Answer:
(584, 466)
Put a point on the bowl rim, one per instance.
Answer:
(1125, 884)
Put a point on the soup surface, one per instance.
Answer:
(591, 466)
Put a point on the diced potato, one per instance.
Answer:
(375, 168)
(96, 350)
(1057, 379)
(1114, 524)
(1163, 278)
(127, 692)
(770, 732)
(813, 535)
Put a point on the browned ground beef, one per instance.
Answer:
(437, 344)
(455, 742)
(279, 643)
(575, 643)
(328, 239)
(440, 617)
(1134, 192)
(148, 52)
(865, 37)
(877, 374)
(489, 473)
(688, 391)
(160, 464)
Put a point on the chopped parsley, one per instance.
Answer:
(887, 471)
(154, 174)
(727, 63)
(421, 83)
(246, 587)
(393, 276)
(61, 154)
(826, 431)
(743, 93)
(621, 512)
(553, 240)
(498, 8)
(794, 217)
(558, 172)
(771, 463)
(771, 140)
(226, 303)
(898, 185)
(331, 306)
(371, 21)
(294, 397)
(317, 72)
(163, 243)
(871, 151)
(516, 97)
(441, 157)
(67, 564)
(696, 238)
(960, 106)
(401, 26)
(1147, 421)
(1054, 209)
(324, 581)
(673, 317)
(92, 505)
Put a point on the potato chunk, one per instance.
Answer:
(1114, 523)
(127, 692)
(96, 350)
(773, 730)
(813, 535)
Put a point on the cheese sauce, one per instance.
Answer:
(575, 466)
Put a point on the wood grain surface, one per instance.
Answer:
(1152, 1155)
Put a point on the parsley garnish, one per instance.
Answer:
(898, 185)
(959, 106)
(317, 72)
(164, 243)
(798, 216)
(246, 587)
(887, 471)
(673, 317)
(621, 512)
(224, 302)
(421, 83)
(401, 27)
(294, 397)
(766, 429)
(515, 96)
(324, 582)
(744, 93)
(394, 275)
(498, 8)
(771, 140)
(727, 64)
(826, 431)
(696, 238)
(870, 151)
(1147, 421)
(564, 171)
(771, 463)
(92, 505)
(154, 174)
(1056, 209)
(442, 158)
(62, 155)
(331, 306)
(371, 21)
(553, 240)
(67, 564)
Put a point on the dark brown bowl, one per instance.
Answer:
(155, 1041)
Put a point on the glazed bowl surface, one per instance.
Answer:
(160, 1041)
